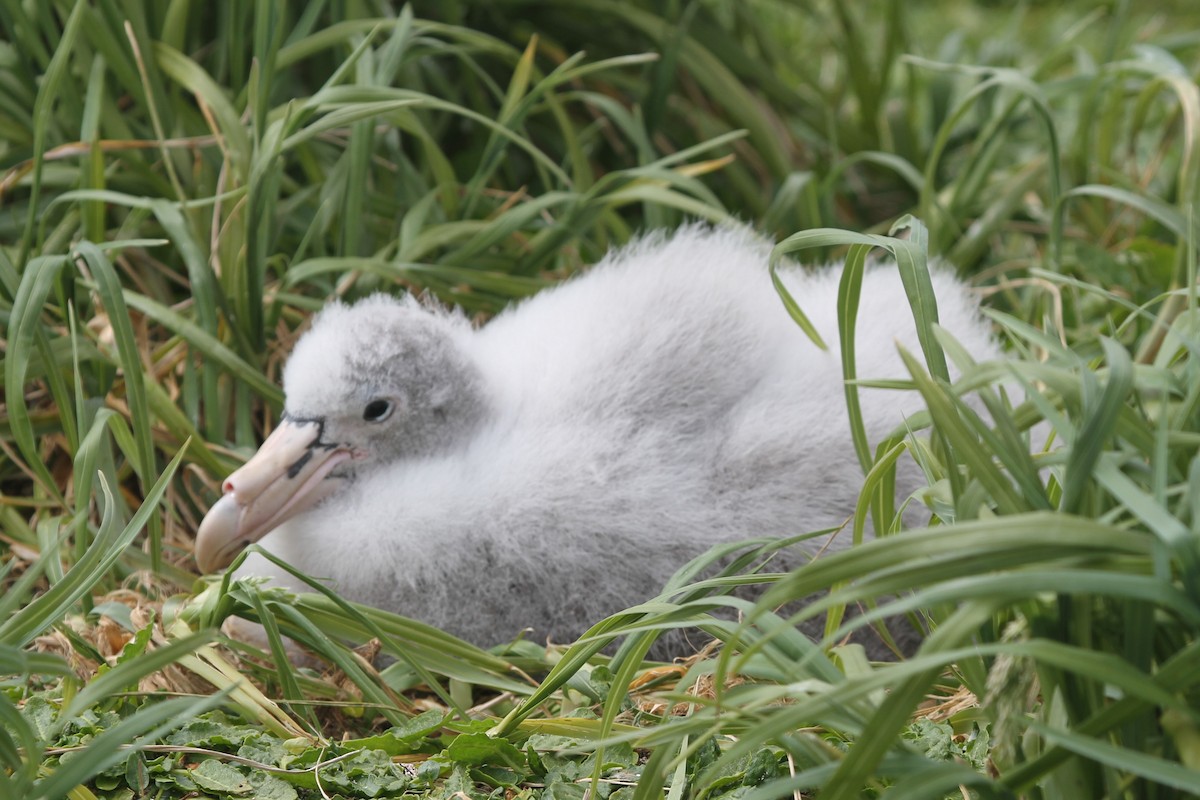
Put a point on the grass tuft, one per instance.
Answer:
(181, 187)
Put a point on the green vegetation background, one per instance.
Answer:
(182, 184)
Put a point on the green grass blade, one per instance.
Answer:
(107, 547)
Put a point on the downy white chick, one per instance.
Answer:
(561, 462)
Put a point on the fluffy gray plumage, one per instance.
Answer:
(561, 462)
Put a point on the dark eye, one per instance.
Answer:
(377, 410)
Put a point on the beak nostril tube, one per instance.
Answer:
(266, 491)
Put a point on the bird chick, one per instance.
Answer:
(560, 463)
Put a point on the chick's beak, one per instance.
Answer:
(285, 477)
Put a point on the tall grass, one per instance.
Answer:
(181, 186)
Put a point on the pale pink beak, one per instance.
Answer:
(285, 477)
